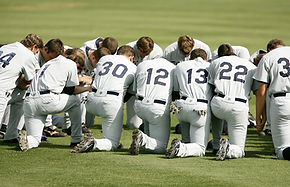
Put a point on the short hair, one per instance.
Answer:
(100, 52)
(55, 46)
(225, 50)
(145, 45)
(126, 50)
(273, 44)
(185, 44)
(76, 55)
(198, 53)
(111, 44)
(258, 58)
(31, 40)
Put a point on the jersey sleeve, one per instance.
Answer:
(29, 68)
(261, 73)
(175, 80)
(72, 79)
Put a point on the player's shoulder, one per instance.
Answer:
(171, 47)
(132, 44)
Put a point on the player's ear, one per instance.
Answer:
(131, 58)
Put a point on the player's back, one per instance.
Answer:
(54, 75)
(154, 79)
(277, 61)
(114, 73)
(15, 59)
(232, 76)
(191, 79)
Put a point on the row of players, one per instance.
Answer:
(149, 87)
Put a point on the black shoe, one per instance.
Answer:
(268, 132)
(74, 144)
(67, 131)
(51, 131)
(15, 140)
(178, 129)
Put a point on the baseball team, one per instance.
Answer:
(205, 90)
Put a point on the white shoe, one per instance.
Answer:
(23, 144)
(223, 150)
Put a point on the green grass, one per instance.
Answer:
(251, 23)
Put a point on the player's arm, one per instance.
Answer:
(22, 83)
(261, 117)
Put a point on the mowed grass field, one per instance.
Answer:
(250, 23)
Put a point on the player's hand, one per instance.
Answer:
(84, 79)
(260, 124)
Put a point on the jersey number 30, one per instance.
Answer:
(5, 59)
(286, 67)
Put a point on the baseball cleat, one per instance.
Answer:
(23, 144)
(136, 142)
(223, 150)
(174, 149)
(51, 131)
(86, 145)
(252, 120)
(268, 132)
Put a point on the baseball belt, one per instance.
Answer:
(198, 100)
(155, 100)
(236, 99)
(280, 94)
(40, 92)
(108, 92)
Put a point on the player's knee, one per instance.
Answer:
(286, 153)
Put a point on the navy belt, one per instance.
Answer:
(198, 100)
(236, 99)
(155, 100)
(40, 92)
(280, 94)
(108, 92)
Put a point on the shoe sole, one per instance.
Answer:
(23, 141)
(224, 148)
(135, 147)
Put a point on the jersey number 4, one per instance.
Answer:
(5, 59)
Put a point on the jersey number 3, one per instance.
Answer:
(5, 59)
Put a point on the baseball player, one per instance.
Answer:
(179, 51)
(192, 109)
(154, 86)
(114, 76)
(145, 49)
(51, 91)
(272, 44)
(89, 47)
(232, 78)
(17, 64)
(273, 75)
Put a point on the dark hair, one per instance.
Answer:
(111, 44)
(31, 40)
(258, 58)
(100, 52)
(198, 53)
(225, 50)
(145, 45)
(126, 50)
(55, 46)
(274, 43)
